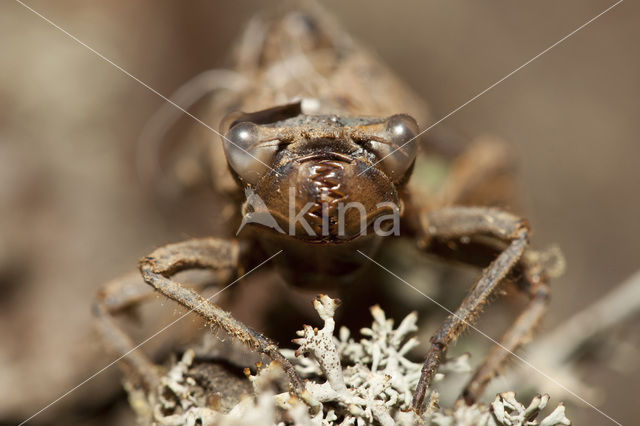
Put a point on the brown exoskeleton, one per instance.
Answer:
(331, 126)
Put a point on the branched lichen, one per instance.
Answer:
(504, 410)
(348, 382)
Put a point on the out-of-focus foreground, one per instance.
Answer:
(73, 214)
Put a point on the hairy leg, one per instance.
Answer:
(114, 297)
(516, 335)
(464, 222)
(121, 294)
(158, 268)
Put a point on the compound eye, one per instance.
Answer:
(246, 153)
(398, 151)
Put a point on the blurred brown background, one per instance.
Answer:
(73, 215)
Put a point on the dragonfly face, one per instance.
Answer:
(323, 178)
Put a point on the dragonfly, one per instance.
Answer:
(319, 140)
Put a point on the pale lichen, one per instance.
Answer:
(348, 382)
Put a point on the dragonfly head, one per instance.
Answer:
(323, 178)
